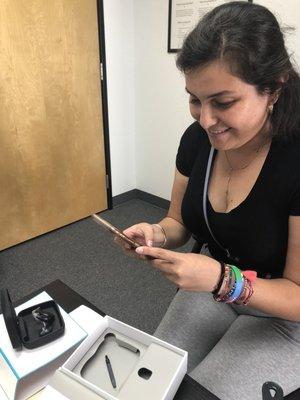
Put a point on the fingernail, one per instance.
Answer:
(139, 250)
(150, 243)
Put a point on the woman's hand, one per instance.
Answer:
(145, 234)
(189, 271)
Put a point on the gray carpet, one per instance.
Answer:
(84, 256)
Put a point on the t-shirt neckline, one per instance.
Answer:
(253, 189)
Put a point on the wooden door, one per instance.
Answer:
(52, 161)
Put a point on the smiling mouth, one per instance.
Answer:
(218, 132)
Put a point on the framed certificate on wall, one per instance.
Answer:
(184, 15)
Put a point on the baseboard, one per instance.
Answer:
(141, 195)
(123, 197)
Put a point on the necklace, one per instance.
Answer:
(231, 169)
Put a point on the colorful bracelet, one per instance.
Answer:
(239, 284)
(246, 295)
(249, 278)
(235, 286)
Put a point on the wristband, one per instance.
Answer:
(239, 283)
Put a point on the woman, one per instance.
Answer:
(242, 157)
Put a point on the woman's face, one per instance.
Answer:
(231, 111)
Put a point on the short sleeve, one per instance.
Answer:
(294, 207)
(189, 147)
(293, 178)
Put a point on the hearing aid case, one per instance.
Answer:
(24, 330)
(25, 372)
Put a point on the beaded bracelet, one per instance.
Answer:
(226, 285)
(247, 293)
(228, 288)
(249, 278)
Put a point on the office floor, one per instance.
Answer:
(84, 256)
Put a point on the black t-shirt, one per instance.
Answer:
(256, 231)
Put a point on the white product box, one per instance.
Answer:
(2, 394)
(25, 372)
(144, 367)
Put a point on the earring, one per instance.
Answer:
(270, 108)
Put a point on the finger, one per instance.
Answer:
(134, 236)
(161, 254)
(149, 235)
(162, 265)
(129, 250)
(144, 231)
(133, 254)
(132, 231)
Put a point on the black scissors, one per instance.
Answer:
(272, 391)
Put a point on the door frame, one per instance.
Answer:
(103, 82)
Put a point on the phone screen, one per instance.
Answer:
(115, 230)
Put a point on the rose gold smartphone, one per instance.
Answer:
(115, 230)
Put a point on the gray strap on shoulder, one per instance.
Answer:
(207, 175)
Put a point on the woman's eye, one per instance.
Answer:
(194, 101)
(223, 105)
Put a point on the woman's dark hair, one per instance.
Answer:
(249, 39)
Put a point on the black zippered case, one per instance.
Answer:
(24, 330)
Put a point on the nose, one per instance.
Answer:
(207, 117)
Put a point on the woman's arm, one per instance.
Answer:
(281, 297)
(176, 233)
(196, 272)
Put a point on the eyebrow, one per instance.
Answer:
(223, 92)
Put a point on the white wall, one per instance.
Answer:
(120, 56)
(148, 109)
(161, 102)
(146, 100)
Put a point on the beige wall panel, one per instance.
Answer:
(52, 165)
